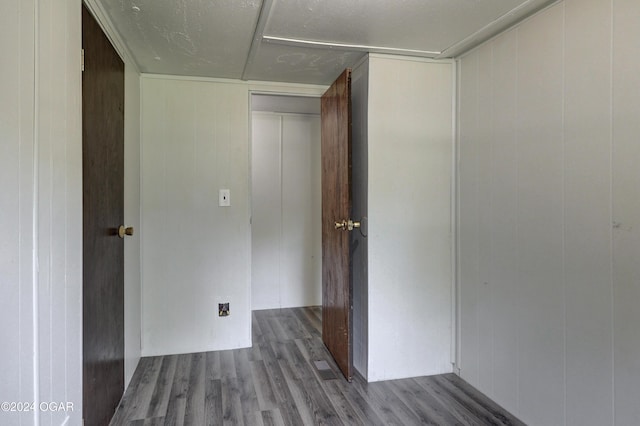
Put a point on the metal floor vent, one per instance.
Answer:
(324, 370)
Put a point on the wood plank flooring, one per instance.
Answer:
(276, 382)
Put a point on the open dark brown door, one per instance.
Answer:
(103, 211)
(336, 210)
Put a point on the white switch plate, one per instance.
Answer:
(224, 198)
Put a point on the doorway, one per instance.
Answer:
(286, 230)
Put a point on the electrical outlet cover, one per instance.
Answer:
(223, 309)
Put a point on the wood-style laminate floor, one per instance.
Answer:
(277, 382)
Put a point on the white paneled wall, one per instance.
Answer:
(194, 253)
(625, 194)
(549, 215)
(132, 301)
(409, 144)
(41, 209)
(286, 230)
(588, 217)
(195, 141)
(359, 202)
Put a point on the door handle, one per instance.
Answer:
(122, 231)
(347, 225)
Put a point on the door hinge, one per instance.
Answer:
(82, 60)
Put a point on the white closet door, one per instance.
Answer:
(301, 274)
(266, 211)
(286, 229)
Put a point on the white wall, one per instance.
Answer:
(359, 203)
(41, 205)
(286, 230)
(410, 141)
(132, 302)
(549, 206)
(194, 253)
(195, 141)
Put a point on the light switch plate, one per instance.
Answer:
(224, 198)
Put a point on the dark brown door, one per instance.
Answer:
(336, 211)
(103, 206)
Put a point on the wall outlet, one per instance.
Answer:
(223, 309)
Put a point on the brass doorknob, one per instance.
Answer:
(122, 231)
(347, 225)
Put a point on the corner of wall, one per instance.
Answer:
(132, 271)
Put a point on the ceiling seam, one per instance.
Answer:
(263, 16)
(296, 42)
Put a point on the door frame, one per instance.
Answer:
(282, 89)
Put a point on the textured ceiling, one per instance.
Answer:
(186, 37)
(302, 41)
(430, 26)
